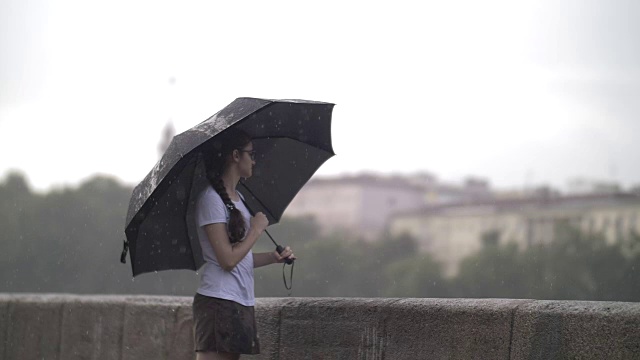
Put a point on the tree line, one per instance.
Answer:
(69, 241)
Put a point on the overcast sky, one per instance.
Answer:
(518, 92)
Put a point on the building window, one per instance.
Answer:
(619, 228)
(605, 224)
(490, 238)
(575, 221)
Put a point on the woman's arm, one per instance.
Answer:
(228, 255)
(262, 259)
(267, 258)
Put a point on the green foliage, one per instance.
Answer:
(337, 266)
(416, 276)
(69, 240)
(575, 266)
(492, 272)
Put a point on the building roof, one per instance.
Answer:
(367, 180)
(534, 202)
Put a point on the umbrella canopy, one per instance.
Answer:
(292, 139)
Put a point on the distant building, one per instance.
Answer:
(472, 190)
(361, 205)
(452, 232)
(587, 186)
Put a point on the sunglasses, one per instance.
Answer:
(252, 153)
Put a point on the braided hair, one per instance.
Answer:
(216, 155)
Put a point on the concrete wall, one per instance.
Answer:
(124, 327)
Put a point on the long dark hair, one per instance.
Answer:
(216, 154)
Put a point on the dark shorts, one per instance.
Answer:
(224, 326)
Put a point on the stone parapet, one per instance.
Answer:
(65, 327)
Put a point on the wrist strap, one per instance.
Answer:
(290, 286)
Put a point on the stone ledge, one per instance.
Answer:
(577, 330)
(57, 326)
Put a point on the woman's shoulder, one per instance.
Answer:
(209, 195)
(209, 208)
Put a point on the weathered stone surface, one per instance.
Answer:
(4, 315)
(576, 330)
(33, 327)
(157, 328)
(92, 328)
(332, 328)
(449, 328)
(182, 346)
(125, 327)
(268, 321)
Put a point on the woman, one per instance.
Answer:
(225, 325)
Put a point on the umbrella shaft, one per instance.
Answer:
(274, 242)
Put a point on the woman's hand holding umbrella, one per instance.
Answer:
(259, 222)
(286, 254)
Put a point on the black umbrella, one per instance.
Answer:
(292, 139)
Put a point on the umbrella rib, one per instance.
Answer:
(258, 200)
(294, 139)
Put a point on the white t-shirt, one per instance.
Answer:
(237, 284)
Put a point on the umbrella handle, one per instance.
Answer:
(280, 249)
(125, 249)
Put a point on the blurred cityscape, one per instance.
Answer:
(361, 235)
(453, 221)
(366, 235)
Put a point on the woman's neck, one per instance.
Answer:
(230, 181)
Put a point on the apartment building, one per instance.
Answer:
(451, 232)
(362, 205)
(359, 205)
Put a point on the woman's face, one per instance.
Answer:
(247, 160)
